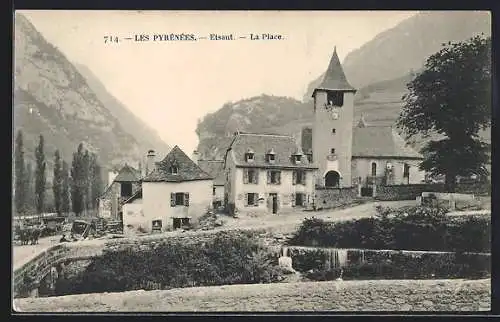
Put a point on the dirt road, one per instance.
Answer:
(283, 223)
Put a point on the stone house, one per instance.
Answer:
(215, 168)
(174, 193)
(123, 185)
(267, 173)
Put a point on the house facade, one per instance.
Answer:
(215, 168)
(267, 173)
(174, 193)
(123, 185)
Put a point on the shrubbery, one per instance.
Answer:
(378, 265)
(227, 258)
(410, 228)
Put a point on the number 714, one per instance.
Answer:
(110, 39)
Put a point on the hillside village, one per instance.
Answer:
(265, 172)
(339, 205)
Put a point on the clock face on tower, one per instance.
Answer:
(334, 115)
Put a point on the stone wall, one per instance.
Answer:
(410, 192)
(326, 198)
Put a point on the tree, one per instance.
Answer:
(40, 178)
(29, 203)
(19, 171)
(96, 182)
(77, 181)
(86, 161)
(57, 182)
(65, 200)
(452, 97)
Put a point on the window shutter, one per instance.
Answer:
(246, 199)
(278, 177)
(186, 199)
(304, 176)
(268, 176)
(256, 176)
(255, 199)
(294, 177)
(293, 200)
(245, 175)
(172, 199)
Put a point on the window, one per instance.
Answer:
(332, 151)
(310, 158)
(299, 199)
(374, 169)
(334, 131)
(126, 189)
(335, 98)
(299, 177)
(213, 191)
(406, 171)
(251, 176)
(273, 177)
(270, 157)
(173, 169)
(252, 199)
(249, 157)
(298, 158)
(179, 199)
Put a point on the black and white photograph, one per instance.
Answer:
(251, 161)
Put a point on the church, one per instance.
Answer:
(350, 154)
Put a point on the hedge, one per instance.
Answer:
(373, 264)
(227, 258)
(410, 228)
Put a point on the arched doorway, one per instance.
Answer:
(332, 179)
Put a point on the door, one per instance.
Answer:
(177, 223)
(274, 202)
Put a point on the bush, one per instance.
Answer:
(226, 258)
(410, 228)
(396, 265)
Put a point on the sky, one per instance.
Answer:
(172, 84)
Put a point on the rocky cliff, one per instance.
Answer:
(52, 98)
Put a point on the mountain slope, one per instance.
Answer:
(145, 136)
(395, 52)
(52, 98)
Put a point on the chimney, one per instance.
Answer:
(196, 156)
(150, 161)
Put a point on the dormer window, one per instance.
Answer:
(249, 155)
(298, 158)
(173, 169)
(271, 156)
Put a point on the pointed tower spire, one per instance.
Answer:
(335, 78)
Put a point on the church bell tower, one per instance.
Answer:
(332, 128)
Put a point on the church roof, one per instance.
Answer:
(380, 141)
(283, 147)
(127, 174)
(335, 78)
(187, 170)
(215, 168)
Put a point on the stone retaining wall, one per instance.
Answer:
(412, 191)
(327, 198)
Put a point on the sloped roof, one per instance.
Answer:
(128, 174)
(380, 141)
(335, 78)
(283, 146)
(215, 168)
(187, 170)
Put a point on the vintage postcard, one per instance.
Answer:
(251, 161)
